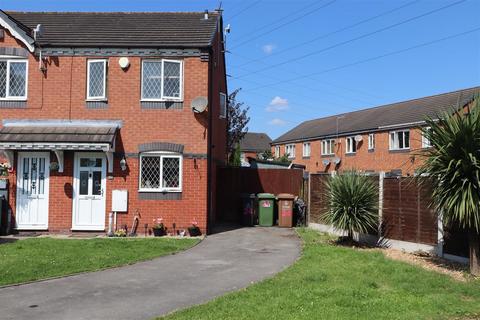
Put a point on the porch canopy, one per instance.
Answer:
(59, 136)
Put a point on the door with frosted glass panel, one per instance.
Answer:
(32, 191)
(89, 192)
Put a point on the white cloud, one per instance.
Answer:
(277, 122)
(277, 104)
(268, 48)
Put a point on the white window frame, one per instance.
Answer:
(162, 96)
(223, 111)
(350, 145)
(105, 65)
(371, 141)
(306, 149)
(161, 155)
(331, 144)
(394, 142)
(290, 155)
(7, 82)
(425, 142)
(277, 151)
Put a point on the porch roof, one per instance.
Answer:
(63, 137)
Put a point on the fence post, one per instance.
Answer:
(307, 218)
(381, 177)
(440, 239)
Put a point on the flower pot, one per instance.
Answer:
(194, 231)
(159, 232)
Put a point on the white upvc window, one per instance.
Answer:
(425, 141)
(97, 79)
(160, 172)
(223, 105)
(290, 151)
(351, 145)
(400, 140)
(328, 147)
(277, 151)
(13, 79)
(162, 80)
(371, 141)
(306, 149)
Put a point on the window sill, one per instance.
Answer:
(159, 191)
(97, 100)
(306, 157)
(328, 155)
(14, 99)
(350, 154)
(161, 100)
(371, 150)
(399, 150)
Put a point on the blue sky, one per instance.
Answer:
(299, 60)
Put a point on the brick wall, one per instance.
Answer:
(379, 159)
(60, 93)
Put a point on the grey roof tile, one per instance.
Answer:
(121, 29)
(255, 141)
(371, 119)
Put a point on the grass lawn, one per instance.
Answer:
(40, 258)
(331, 282)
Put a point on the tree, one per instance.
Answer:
(265, 155)
(235, 157)
(453, 163)
(237, 120)
(353, 200)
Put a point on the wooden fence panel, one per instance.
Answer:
(232, 182)
(318, 197)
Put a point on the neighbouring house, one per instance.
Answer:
(101, 104)
(253, 144)
(386, 138)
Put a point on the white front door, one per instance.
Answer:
(89, 192)
(32, 190)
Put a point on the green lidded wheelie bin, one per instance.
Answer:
(266, 204)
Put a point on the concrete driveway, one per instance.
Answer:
(221, 263)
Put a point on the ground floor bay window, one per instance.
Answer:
(160, 172)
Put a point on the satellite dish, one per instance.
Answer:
(326, 162)
(358, 138)
(123, 62)
(337, 160)
(199, 104)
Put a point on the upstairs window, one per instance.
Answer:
(13, 79)
(371, 141)
(96, 79)
(223, 105)
(425, 141)
(351, 145)
(306, 149)
(328, 147)
(400, 140)
(160, 172)
(162, 80)
(290, 151)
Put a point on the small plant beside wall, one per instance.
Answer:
(194, 230)
(353, 200)
(4, 169)
(159, 229)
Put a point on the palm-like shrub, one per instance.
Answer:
(454, 164)
(353, 200)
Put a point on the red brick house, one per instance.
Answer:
(385, 138)
(93, 103)
(253, 144)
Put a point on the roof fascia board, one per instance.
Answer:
(112, 51)
(7, 23)
(61, 123)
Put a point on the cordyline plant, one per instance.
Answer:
(353, 200)
(453, 165)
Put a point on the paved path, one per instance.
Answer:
(221, 263)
